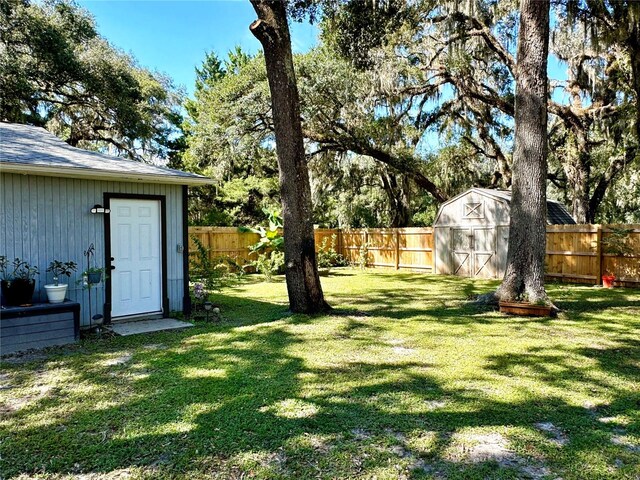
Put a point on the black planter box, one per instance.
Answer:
(38, 326)
(18, 291)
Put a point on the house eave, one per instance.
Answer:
(95, 174)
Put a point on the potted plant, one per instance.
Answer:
(56, 291)
(93, 275)
(18, 281)
(608, 279)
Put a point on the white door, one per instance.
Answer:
(136, 281)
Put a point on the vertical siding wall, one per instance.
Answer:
(47, 218)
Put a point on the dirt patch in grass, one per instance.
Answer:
(118, 360)
(476, 448)
(554, 434)
(25, 357)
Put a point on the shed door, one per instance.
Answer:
(461, 251)
(484, 252)
(136, 281)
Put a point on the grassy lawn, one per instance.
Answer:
(404, 380)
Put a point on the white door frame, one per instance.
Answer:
(109, 263)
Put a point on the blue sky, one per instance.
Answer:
(173, 36)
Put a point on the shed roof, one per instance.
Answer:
(32, 150)
(557, 213)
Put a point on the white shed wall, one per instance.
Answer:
(485, 222)
(47, 218)
(460, 211)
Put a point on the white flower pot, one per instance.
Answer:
(56, 293)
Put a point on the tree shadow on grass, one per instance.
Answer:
(413, 306)
(229, 398)
(564, 366)
(240, 394)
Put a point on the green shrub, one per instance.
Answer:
(616, 241)
(327, 255)
(363, 256)
(212, 273)
(269, 264)
(270, 236)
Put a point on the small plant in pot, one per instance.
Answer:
(18, 281)
(57, 291)
(93, 275)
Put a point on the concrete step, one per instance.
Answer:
(148, 326)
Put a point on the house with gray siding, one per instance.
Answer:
(48, 191)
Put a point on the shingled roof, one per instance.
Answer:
(29, 150)
(557, 213)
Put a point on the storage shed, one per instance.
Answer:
(57, 200)
(472, 232)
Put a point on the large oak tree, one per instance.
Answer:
(524, 274)
(303, 283)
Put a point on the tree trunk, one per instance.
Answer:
(398, 194)
(303, 283)
(616, 166)
(578, 173)
(524, 276)
(633, 45)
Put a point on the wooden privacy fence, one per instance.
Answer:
(575, 253)
(583, 253)
(406, 248)
(224, 242)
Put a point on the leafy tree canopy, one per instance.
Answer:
(57, 71)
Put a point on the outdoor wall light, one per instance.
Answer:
(97, 208)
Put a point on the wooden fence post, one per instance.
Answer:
(210, 243)
(397, 249)
(599, 259)
(365, 234)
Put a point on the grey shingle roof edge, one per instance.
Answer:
(32, 150)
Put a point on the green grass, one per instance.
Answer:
(405, 379)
